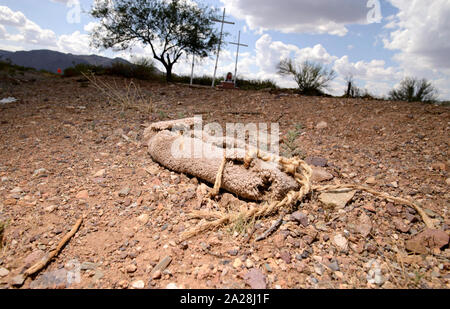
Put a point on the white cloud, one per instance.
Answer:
(28, 31)
(300, 16)
(421, 29)
(420, 32)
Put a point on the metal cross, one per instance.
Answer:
(237, 55)
(220, 42)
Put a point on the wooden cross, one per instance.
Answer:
(239, 44)
(222, 21)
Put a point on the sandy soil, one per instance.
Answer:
(63, 156)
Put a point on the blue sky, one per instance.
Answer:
(409, 40)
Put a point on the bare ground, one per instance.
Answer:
(63, 156)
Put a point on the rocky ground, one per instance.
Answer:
(68, 151)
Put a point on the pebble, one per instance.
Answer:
(256, 279)
(301, 218)
(139, 284)
(249, 263)
(40, 172)
(322, 125)
(18, 280)
(340, 242)
(172, 286)
(338, 200)
(131, 268)
(83, 195)
(156, 274)
(143, 218)
(3, 272)
(124, 192)
(100, 174)
(237, 263)
(50, 208)
(16, 190)
(371, 180)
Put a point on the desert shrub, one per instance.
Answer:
(414, 90)
(311, 78)
(255, 84)
(204, 80)
(144, 68)
(85, 68)
(8, 67)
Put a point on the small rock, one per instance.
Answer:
(428, 239)
(162, 265)
(3, 272)
(143, 218)
(18, 280)
(233, 252)
(334, 266)
(88, 266)
(365, 225)
(338, 200)
(371, 180)
(156, 275)
(131, 268)
(285, 256)
(100, 174)
(391, 209)
(400, 225)
(249, 264)
(237, 263)
(33, 257)
(319, 174)
(301, 218)
(139, 284)
(40, 172)
(340, 242)
(321, 125)
(447, 181)
(317, 161)
(16, 190)
(255, 279)
(172, 286)
(50, 208)
(123, 284)
(124, 192)
(370, 207)
(83, 195)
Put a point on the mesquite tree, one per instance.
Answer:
(311, 78)
(170, 28)
(414, 90)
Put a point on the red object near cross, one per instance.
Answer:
(59, 71)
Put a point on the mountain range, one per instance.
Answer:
(51, 61)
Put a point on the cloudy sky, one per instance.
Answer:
(377, 41)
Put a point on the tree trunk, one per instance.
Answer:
(169, 72)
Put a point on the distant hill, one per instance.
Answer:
(52, 60)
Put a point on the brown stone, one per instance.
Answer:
(83, 195)
(429, 239)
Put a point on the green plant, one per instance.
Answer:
(289, 147)
(241, 225)
(162, 115)
(311, 78)
(414, 90)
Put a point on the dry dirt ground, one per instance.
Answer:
(63, 155)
